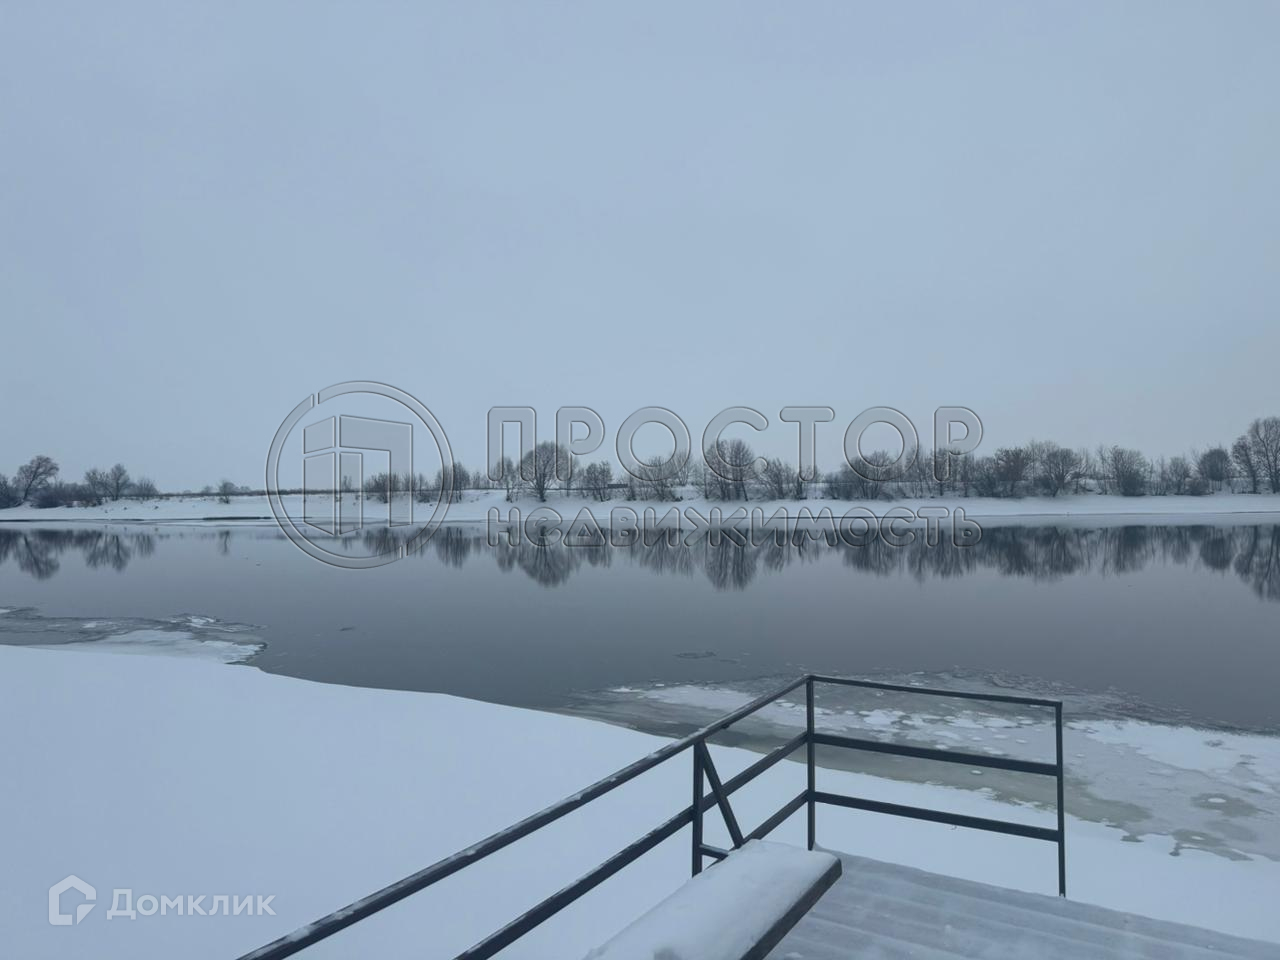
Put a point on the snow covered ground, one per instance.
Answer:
(475, 505)
(178, 776)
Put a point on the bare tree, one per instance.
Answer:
(834, 485)
(1087, 470)
(1100, 474)
(117, 481)
(1012, 465)
(776, 479)
(225, 491)
(1214, 467)
(424, 490)
(1242, 456)
(1059, 468)
(736, 458)
(914, 479)
(460, 478)
(511, 480)
(383, 486)
(596, 479)
(1159, 478)
(799, 485)
(848, 484)
(539, 466)
(97, 483)
(1129, 471)
(8, 494)
(683, 471)
(698, 475)
(145, 489)
(655, 479)
(574, 464)
(1264, 439)
(1177, 479)
(985, 477)
(34, 475)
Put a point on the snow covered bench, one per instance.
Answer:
(737, 909)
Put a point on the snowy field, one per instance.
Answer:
(475, 506)
(181, 776)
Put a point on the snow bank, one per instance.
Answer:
(475, 505)
(168, 777)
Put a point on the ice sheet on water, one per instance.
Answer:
(1210, 790)
(186, 635)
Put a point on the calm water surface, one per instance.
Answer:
(1179, 622)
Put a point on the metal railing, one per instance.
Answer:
(705, 774)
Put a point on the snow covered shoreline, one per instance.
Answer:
(171, 776)
(475, 507)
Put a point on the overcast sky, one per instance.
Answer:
(1065, 216)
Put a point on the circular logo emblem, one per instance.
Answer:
(342, 478)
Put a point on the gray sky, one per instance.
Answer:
(1063, 215)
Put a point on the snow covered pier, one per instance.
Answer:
(876, 911)
(728, 896)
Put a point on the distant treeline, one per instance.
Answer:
(38, 483)
(1251, 464)
(1043, 468)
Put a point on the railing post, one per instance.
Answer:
(810, 790)
(1062, 813)
(697, 811)
(722, 798)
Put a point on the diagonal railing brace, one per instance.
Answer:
(722, 798)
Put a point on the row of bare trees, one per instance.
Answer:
(1250, 465)
(384, 486)
(36, 482)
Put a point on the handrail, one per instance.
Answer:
(703, 770)
(1056, 769)
(930, 753)
(393, 893)
(937, 691)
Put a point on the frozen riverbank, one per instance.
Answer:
(170, 776)
(474, 507)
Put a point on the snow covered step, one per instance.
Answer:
(737, 909)
(881, 910)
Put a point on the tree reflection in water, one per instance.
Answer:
(1046, 553)
(37, 552)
